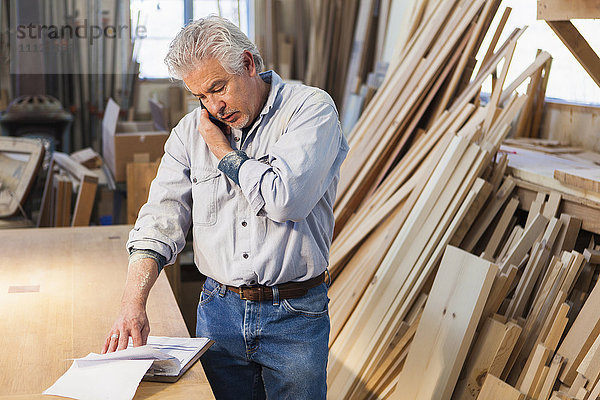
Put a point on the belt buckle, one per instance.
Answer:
(242, 293)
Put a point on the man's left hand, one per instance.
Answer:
(213, 136)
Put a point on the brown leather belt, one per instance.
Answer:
(290, 290)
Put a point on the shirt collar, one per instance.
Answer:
(276, 85)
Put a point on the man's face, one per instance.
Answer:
(230, 98)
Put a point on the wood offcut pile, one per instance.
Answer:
(443, 285)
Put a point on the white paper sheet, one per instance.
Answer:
(101, 380)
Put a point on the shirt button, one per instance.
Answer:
(194, 180)
(237, 139)
(245, 255)
(244, 224)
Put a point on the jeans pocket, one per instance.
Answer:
(313, 304)
(204, 196)
(207, 294)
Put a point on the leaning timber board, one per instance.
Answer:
(581, 336)
(447, 326)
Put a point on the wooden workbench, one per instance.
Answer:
(60, 290)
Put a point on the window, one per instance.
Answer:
(162, 19)
(568, 80)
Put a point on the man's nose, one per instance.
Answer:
(215, 104)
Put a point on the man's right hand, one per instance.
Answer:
(132, 321)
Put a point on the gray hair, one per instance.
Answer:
(210, 37)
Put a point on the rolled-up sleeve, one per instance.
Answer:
(163, 222)
(302, 164)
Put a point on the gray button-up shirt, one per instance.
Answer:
(274, 227)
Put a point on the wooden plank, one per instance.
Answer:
(447, 326)
(474, 211)
(399, 348)
(495, 389)
(533, 374)
(541, 100)
(581, 336)
(537, 324)
(488, 215)
(558, 327)
(539, 62)
(552, 205)
(538, 262)
(349, 286)
(540, 383)
(512, 239)
(586, 178)
(139, 177)
(568, 235)
(518, 252)
(488, 356)
(579, 383)
(85, 202)
(595, 391)
(550, 380)
(500, 229)
(562, 10)
(536, 208)
(590, 365)
(63, 201)
(592, 256)
(87, 187)
(501, 287)
(578, 46)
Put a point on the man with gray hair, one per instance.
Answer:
(259, 196)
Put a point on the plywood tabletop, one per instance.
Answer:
(60, 290)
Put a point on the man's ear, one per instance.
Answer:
(249, 63)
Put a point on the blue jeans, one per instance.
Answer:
(269, 349)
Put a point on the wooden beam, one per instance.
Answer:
(580, 48)
(562, 10)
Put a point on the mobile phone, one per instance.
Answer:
(214, 120)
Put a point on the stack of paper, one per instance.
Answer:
(117, 375)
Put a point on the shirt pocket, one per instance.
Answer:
(204, 196)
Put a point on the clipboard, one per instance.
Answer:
(186, 350)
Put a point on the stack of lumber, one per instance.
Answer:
(67, 177)
(443, 286)
(551, 167)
